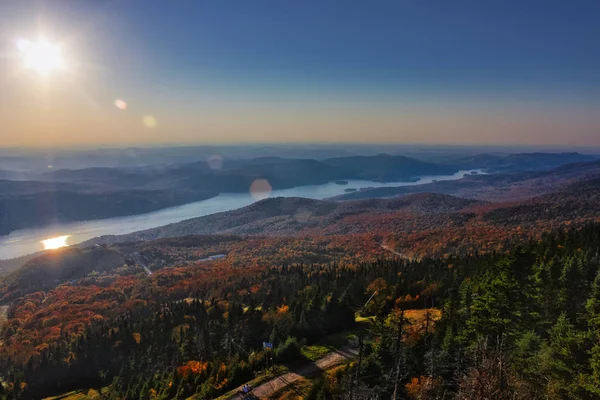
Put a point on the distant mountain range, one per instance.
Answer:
(282, 173)
(103, 192)
(386, 168)
(519, 162)
(493, 187)
(100, 192)
(566, 195)
(286, 216)
(423, 220)
(237, 175)
(50, 207)
(27, 161)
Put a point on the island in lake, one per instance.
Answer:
(350, 190)
(341, 182)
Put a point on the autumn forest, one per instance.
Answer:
(423, 296)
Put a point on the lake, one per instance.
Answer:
(27, 241)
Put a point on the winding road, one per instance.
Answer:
(383, 246)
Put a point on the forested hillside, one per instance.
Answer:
(102, 192)
(293, 215)
(521, 324)
(497, 187)
(66, 195)
(444, 297)
(18, 211)
(417, 225)
(299, 200)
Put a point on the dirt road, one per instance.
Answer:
(383, 246)
(268, 388)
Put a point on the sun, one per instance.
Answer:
(41, 56)
(55, 243)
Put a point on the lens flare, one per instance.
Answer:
(149, 121)
(41, 56)
(55, 242)
(121, 104)
(215, 162)
(260, 189)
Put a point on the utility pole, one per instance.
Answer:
(268, 348)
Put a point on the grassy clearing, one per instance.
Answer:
(331, 343)
(361, 320)
(314, 352)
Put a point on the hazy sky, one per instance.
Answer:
(206, 71)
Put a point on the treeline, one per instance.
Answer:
(517, 325)
(524, 325)
(163, 346)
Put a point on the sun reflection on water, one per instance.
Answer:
(55, 242)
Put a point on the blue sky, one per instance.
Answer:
(263, 70)
(458, 43)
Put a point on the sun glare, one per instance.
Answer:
(41, 56)
(55, 243)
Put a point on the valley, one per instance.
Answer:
(296, 200)
(26, 241)
(294, 271)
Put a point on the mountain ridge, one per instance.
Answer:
(289, 215)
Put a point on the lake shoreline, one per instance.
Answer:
(27, 241)
(202, 196)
